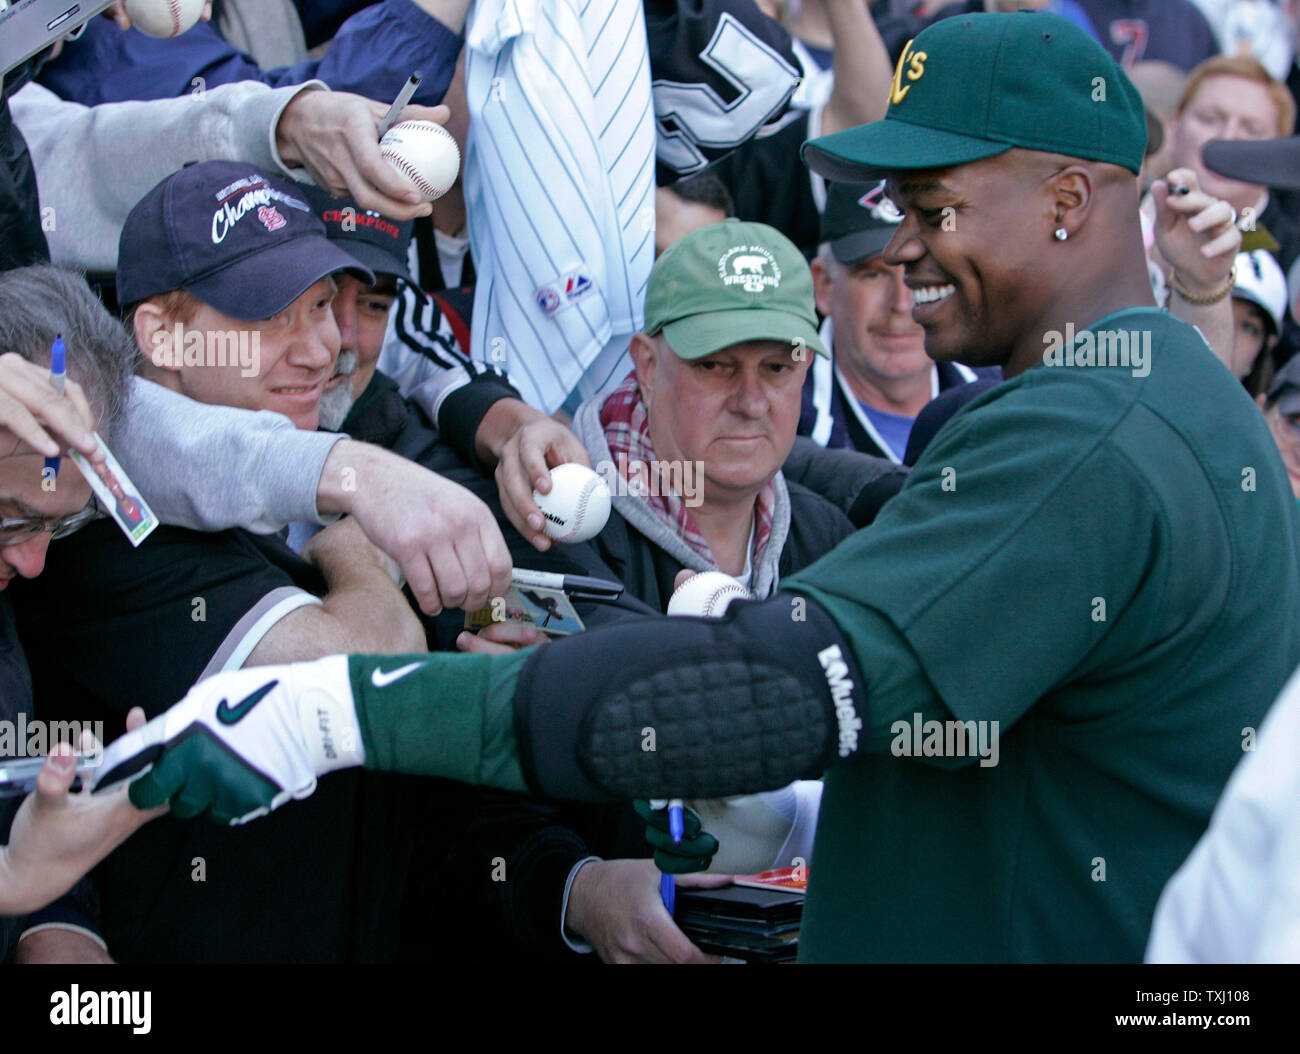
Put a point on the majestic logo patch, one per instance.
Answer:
(271, 217)
(232, 715)
(880, 207)
(914, 62)
(752, 267)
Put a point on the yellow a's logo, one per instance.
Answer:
(914, 62)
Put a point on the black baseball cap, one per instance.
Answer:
(1263, 162)
(239, 240)
(859, 220)
(974, 86)
(373, 240)
(1285, 389)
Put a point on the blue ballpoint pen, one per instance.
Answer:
(58, 370)
(676, 828)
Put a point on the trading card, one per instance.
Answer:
(118, 495)
(550, 610)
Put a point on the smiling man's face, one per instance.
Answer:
(295, 355)
(972, 274)
(872, 310)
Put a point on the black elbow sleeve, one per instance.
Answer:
(686, 707)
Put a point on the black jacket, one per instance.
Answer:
(647, 572)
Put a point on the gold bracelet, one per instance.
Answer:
(1206, 298)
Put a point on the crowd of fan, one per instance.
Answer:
(362, 482)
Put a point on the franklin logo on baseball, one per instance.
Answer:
(751, 266)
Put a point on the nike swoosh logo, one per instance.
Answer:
(232, 715)
(380, 679)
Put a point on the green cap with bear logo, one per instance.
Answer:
(730, 283)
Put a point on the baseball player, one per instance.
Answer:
(1026, 682)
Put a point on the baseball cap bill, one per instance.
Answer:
(730, 283)
(974, 86)
(240, 241)
(375, 241)
(1263, 162)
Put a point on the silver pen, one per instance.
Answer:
(399, 104)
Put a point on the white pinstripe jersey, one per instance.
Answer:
(559, 188)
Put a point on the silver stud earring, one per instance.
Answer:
(1061, 234)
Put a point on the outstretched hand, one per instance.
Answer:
(335, 137)
(526, 444)
(58, 836)
(39, 416)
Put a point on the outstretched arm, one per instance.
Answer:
(595, 717)
(860, 91)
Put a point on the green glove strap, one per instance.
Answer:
(451, 715)
(214, 781)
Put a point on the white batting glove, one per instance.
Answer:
(242, 743)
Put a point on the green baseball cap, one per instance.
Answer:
(728, 283)
(974, 86)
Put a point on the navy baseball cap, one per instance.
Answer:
(375, 241)
(237, 239)
(859, 220)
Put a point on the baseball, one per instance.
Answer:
(577, 506)
(425, 153)
(708, 594)
(164, 18)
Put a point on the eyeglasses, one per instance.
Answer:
(15, 530)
